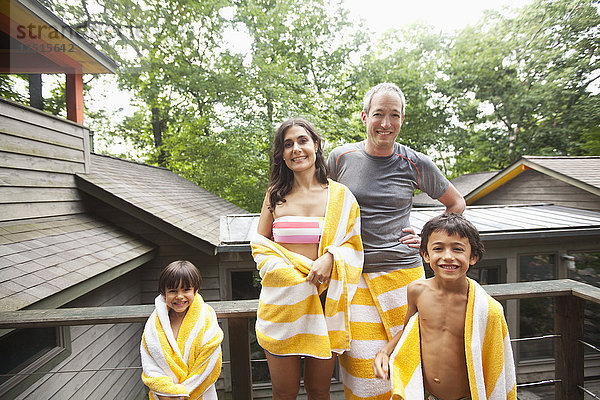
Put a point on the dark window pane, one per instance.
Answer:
(536, 315)
(244, 286)
(23, 346)
(587, 270)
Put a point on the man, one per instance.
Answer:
(383, 175)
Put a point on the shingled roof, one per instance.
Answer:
(585, 170)
(160, 198)
(40, 258)
(581, 172)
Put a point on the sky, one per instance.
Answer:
(446, 15)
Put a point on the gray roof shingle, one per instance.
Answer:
(163, 194)
(583, 169)
(41, 257)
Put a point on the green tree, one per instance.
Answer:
(523, 85)
(208, 113)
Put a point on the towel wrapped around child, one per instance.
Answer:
(490, 363)
(290, 317)
(189, 365)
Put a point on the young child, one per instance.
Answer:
(455, 342)
(181, 344)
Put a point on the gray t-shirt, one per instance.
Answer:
(384, 188)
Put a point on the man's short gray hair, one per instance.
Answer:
(385, 87)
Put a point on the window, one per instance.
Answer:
(28, 353)
(245, 285)
(488, 272)
(587, 270)
(536, 316)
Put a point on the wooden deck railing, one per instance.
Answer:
(570, 298)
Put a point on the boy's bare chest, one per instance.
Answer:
(443, 317)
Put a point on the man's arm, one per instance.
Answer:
(453, 200)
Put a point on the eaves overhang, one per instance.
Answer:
(143, 215)
(37, 41)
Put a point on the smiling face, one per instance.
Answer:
(179, 299)
(383, 122)
(299, 149)
(449, 255)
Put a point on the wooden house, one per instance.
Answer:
(79, 229)
(565, 181)
(34, 41)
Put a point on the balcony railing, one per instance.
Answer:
(569, 296)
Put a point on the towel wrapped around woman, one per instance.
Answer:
(189, 365)
(290, 318)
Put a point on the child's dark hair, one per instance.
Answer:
(453, 223)
(179, 273)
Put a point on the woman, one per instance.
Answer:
(309, 254)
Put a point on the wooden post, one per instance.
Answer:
(74, 94)
(568, 350)
(239, 354)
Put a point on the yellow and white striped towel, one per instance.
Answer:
(377, 314)
(290, 318)
(187, 366)
(490, 363)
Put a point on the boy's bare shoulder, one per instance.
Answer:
(417, 287)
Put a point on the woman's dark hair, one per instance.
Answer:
(282, 177)
(452, 224)
(179, 273)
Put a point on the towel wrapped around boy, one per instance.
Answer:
(490, 363)
(187, 366)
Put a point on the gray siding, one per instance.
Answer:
(99, 347)
(532, 187)
(39, 154)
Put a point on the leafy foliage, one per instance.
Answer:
(476, 100)
(523, 85)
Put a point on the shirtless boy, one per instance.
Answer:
(450, 245)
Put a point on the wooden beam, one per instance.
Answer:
(239, 351)
(568, 349)
(110, 315)
(247, 308)
(54, 47)
(74, 94)
(28, 63)
(527, 290)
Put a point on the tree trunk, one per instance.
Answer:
(157, 131)
(35, 91)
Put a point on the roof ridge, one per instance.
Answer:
(132, 161)
(561, 157)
